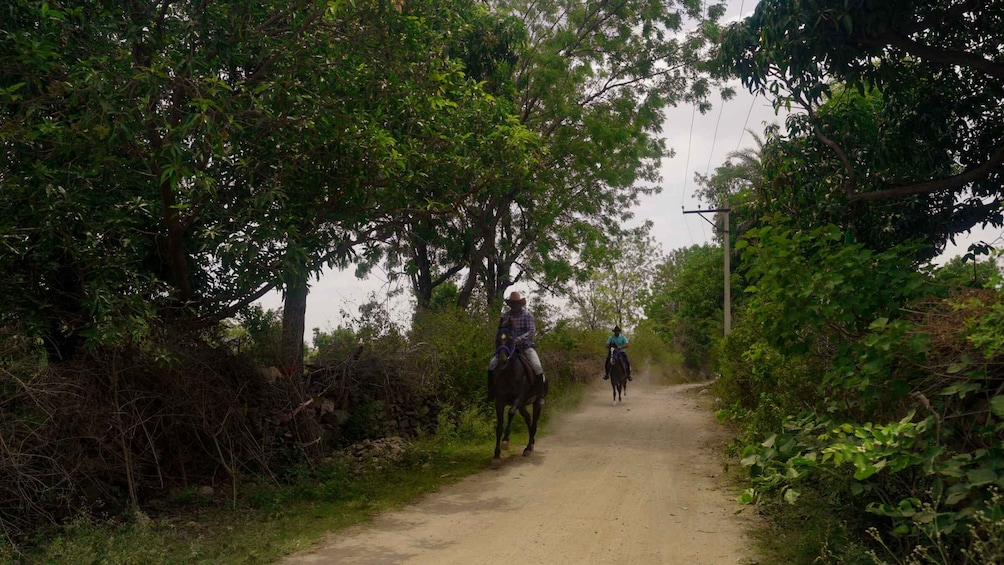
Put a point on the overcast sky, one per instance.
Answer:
(701, 143)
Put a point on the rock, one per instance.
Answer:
(271, 374)
(205, 490)
(327, 406)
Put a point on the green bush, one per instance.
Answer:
(685, 305)
(453, 346)
(651, 353)
(856, 384)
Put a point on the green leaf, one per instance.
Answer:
(747, 496)
(997, 406)
(863, 466)
(981, 476)
(961, 389)
(791, 495)
(956, 367)
(879, 323)
(956, 493)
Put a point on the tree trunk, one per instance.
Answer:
(294, 310)
(421, 281)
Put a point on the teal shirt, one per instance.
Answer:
(618, 340)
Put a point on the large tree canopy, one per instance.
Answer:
(182, 158)
(591, 81)
(939, 70)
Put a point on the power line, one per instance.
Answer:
(686, 169)
(714, 139)
(690, 143)
(743, 132)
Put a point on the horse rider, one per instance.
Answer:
(619, 341)
(524, 328)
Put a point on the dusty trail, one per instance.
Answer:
(637, 483)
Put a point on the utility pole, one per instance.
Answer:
(727, 307)
(728, 272)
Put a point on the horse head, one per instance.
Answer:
(505, 343)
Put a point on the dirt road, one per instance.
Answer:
(638, 483)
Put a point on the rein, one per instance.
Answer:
(509, 350)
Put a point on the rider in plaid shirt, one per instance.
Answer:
(524, 330)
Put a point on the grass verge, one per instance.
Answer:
(268, 522)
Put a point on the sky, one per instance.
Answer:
(701, 142)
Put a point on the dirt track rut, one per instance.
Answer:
(639, 483)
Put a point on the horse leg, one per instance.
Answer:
(531, 424)
(499, 408)
(508, 426)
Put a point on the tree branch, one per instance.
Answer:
(933, 54)
(955, 182)
(449, 273)
(850, 180)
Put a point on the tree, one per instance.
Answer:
(433, 125)
(798, 176)
(962, 271)
(170, 161)
(685, 305)
(936, 69)
(428, 244)
(615, 292)
(130, 136)
(591, 82)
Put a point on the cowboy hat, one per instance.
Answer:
(516, 298)
(616, 329)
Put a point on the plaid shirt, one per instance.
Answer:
(525, 327)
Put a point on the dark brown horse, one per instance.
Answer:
(618, 372)
(513, 384)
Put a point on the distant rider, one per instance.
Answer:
(620, 341)
(524, 328)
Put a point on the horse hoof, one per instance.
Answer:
(527, 451)
(505, 445)
(496, 462)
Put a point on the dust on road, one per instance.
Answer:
(638, 483)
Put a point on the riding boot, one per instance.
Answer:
(540, 385)
(606, 371)
(491, 389)
(628, 363)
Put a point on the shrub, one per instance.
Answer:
(851, 377)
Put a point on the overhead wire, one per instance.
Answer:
(714, 139)
(686, 169)
(746, 121)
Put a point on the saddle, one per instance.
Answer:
(526, 363)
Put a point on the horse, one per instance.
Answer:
(618, 373)
(512, 383)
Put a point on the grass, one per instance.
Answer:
(268, 522)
